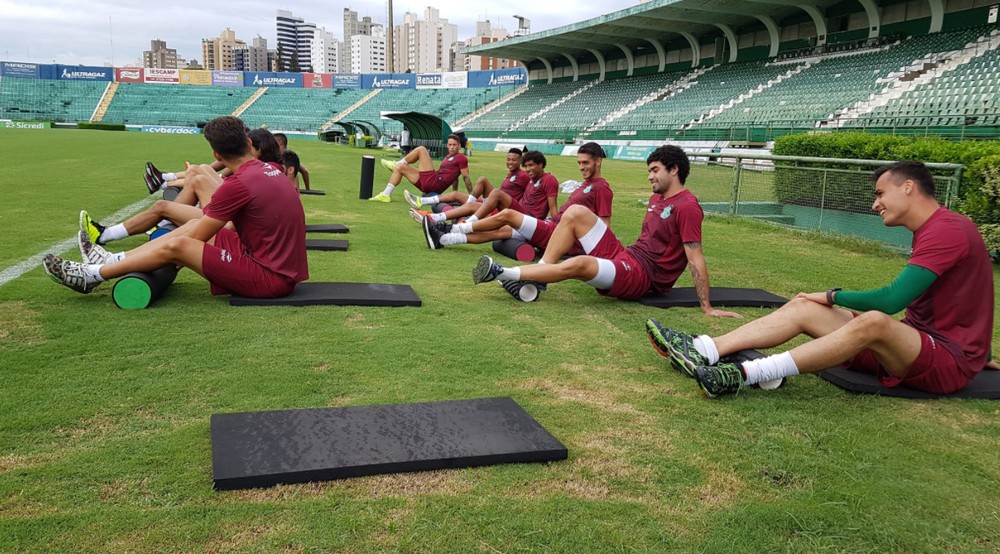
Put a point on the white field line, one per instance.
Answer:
(19, 269)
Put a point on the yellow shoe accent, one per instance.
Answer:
(380, 197)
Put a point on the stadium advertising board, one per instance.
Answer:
(195, 77)
(128, 74)
(227, 78)
(318, 80)
(18, 69)
(270, 79)
(389, 80)
(157, 75)
(634, 153)
(84, 73)
(342, 80)
(453, 79)
(498, 77)
(25, 124)
(171, 130)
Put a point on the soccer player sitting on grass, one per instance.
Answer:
(199, 190)
(424, 177)
(669, 241)
(290, 160)
(946, 288)
(537, 199)
(264, 257)
(594, 194)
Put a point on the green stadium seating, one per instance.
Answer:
(168, 104)
(49, 100)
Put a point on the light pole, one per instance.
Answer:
(390, 55)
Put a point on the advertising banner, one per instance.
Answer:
(634, 153)
(84, 73)
(429, 80)
(25, 124)
(171, 130)
(318, 80)
(453, 79)
(342, 80)
(498, 78)
(269, 79)
(18, 69)
(227, 78)
(157, 75)
(389, 80)
(195, 77)
(128, 74)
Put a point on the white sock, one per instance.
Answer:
(450, 239)
(437, 218)
(401, 162)
(114, 232)
(471, 219)
(470, 200)
(429, 200)
(115, 258)
(169, 177)
(510, 274)
(770, 368)
(462, 228)
(94, 272)
(706, 347)
(388, 189)
(164, 223)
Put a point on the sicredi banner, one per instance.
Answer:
(317, 80)
(157, 75)
(84, 73)
(269, 79)
(342, 80)
(227, 78)
(171, 130)
(498, 77)
(195, 77)
(128, 74)
(389, 80)
(25, 124)
(18, 69)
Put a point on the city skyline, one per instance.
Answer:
(114, 32)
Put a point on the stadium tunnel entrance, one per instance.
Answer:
(429, 131)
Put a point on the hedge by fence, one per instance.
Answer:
(101, 126)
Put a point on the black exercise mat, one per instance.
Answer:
(327, 228)
(312, 192)
(262, 449)
(326, 245)
(986, 385)
(685, 297)
(338, 294)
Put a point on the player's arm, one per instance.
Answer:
(911, 282)
(305, 175)
(206, 228)
(699, 273)
(553, 208)
(466, 179)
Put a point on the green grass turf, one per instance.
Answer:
(104, 419)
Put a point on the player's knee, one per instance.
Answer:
(870, 325)
(160, 207)
(577, 212)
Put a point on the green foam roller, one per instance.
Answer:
(138, 291)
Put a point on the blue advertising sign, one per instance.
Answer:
(227, 78)
(498, 77)
(18, 69)
(269, 79)
(388, 80)
(85, 73)
(343, 80)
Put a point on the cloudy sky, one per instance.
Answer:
(102, 32)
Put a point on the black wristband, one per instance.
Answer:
(829, 294)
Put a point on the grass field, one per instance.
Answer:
(104, 419)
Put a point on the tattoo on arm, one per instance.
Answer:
(693, 245)
(700, 285)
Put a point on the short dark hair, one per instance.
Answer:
(515, 151)
(228, 137)
(592, 149)
(457, 138)
(535, 157)
(290, 159)
(672, 156)
(912, 170)
(266, 146)
(281, 138)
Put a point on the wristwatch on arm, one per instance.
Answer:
(830, 293)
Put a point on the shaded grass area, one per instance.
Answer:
(104, 434)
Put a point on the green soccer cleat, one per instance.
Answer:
(675, 345)
(391, 166)
(91, 227)
(724, 378)
(381, 197)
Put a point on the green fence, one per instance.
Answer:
(822, 194)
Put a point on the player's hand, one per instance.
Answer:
(817, 297)
(712, 312)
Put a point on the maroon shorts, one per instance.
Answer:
(431, 183)
(934, 370)
(231, 271)
(543, 232)
(631, 281)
